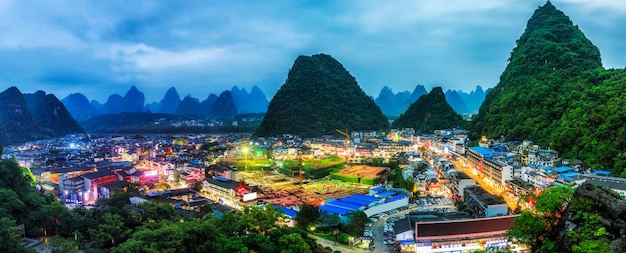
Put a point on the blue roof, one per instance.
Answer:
(334, 209)
(377, 189)
(482, 151)
(394, 198)
(570, 174)
(386, 194)
(364, 197)
(602, 172)
(563, 169)
(289, 212)
(568, 179)
(343, 204)
(356, 201)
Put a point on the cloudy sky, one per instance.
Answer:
(200, 47)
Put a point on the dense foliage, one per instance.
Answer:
(319, 97)
(429, 112)
(27, 117)
(53, 118)
(555, 92)
(585, 219)
(535, 227)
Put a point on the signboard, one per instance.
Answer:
(151, 173)
(249, 196)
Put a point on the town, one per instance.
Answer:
(451, 196)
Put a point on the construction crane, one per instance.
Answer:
(300, 163)
(346, 134)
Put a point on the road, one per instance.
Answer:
(337, 246)
(379, 226)
(512, 203)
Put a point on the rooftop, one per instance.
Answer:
(483, 196)
(483, 151)
(442, 229)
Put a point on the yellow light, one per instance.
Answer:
(244, 149)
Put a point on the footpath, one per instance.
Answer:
(337, 246)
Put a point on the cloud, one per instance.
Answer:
(201, 47)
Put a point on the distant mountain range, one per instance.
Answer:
(26, 117)
(227, 104)
(394, 104)
(431, 111)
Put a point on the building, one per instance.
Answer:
(108, 190)
(98, 179)
(228, 192)
(458, 181)
(192, 175)
(490, 165)
(481, 204)
(462, 235)
(517, 187)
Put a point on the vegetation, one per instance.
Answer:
(429, 112)
(535, 228)
(308, 217)
(555, 92)
(319, 97)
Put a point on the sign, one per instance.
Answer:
(249, 196)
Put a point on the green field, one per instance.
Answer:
(313, 169)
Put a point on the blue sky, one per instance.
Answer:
(200, 47)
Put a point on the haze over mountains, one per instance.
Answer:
(394, 104)
(228, 103)
(26, 117)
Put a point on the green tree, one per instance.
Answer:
(8, 241)
(59, 244)
(156, 212)
(356, 223)
(309, 215)
(293, 243)
(330, 219)
(532, 227)
(110, 233)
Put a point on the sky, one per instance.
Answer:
(100, 48)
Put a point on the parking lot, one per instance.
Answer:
(381, 226)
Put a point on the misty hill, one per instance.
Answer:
(429, 112)
(133, 101)
(318, 97)
(555, 92)
(395, 104)
(464, 102)
(456, 102)
(48, 118)
(17, 122)
(190, 106)
(474, 99)
(51, 115)
(253, 102)
(170, 102)
(80, 108)
(224, 106)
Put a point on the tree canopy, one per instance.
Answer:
(429, 112)
(318, 97)
(555, 92)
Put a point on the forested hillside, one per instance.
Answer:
(429, 112)
(555, 92)
(319, 97)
